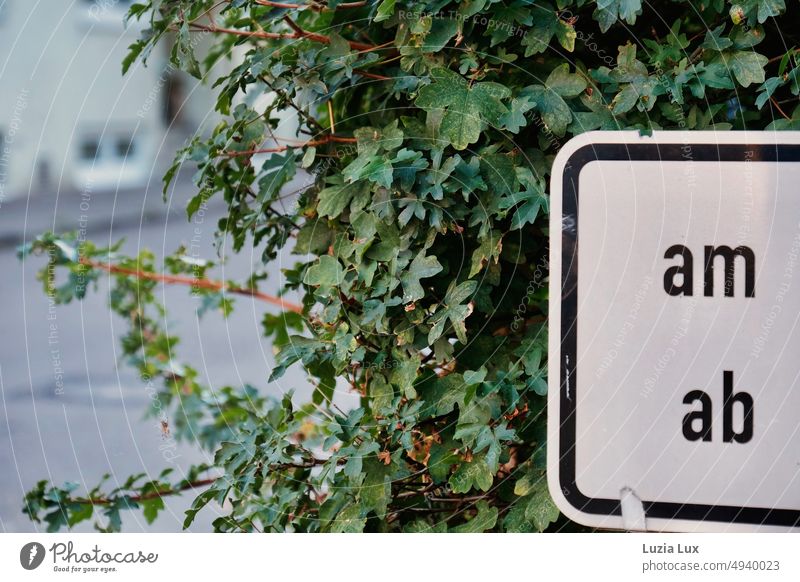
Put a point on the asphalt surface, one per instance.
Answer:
(70, 410)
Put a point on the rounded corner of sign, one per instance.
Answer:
(589, 139)
(575, 155)
(570, 149)
(571, 511)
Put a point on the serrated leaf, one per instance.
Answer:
(349, 520)
(475, 376)
(376, 491)
(475, 474)
(467, 108)
(334, 199)
(747, 66)
(385, 10)
(151, 507)
(442, 30)
(714, 39)
(454, 311)
(546, 25)
(549, 98)
(327, 272)
(421, 267)
(484, 520)
(535, 510)
(769, 8)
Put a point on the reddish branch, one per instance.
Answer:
(314, 7)
(283, 148)
(193, 282)
(296, 34)
(371, 75)
(194, 485)
(152, 494)
(778, 107)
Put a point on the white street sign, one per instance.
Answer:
(674, 363)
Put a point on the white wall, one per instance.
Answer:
(61, 86)
(63, 95)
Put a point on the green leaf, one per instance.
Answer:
(487, 252)
(327, 272)
(510, 17)
(454, 311)
(372, 140)
(747, 66)
(528, 202)
(475, 377)
(530, 482)
(404, 374)
(769, 8)
(421, 267)
(786, 124)
(469, 475)
(467, 108)
(609, 11)
(376, 169)
(441, 460)
(420, 526)
(349, 520)
(535, 510)
(540, 510)
(546, 25)
(499, 172)
(382, 393)
(564, 83)
(549, 98)
(484, 520)
(442, 394)
(715, 41)
(151, 507)
(515, 119)
(376, 491)
(334, 199)
(80, 512)
(385, 10)
(442, 30)
(538, 385)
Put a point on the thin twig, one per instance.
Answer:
(778, 107)
(193, 282)
(371, 75)
(297, 34)
(283, 148)
(309, 119)
(315, 8)
(330, 117)
(152, 494)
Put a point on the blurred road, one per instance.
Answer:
(96, 425)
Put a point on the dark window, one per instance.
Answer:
(124, 147)
(89, 149)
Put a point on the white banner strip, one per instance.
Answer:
(386, 557)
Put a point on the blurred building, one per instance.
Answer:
(69, 119)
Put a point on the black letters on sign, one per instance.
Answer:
(730, 398)
(694, 433)
(729, 255)
(684, 271)
(703, 415)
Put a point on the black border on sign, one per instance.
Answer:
(689, 153)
